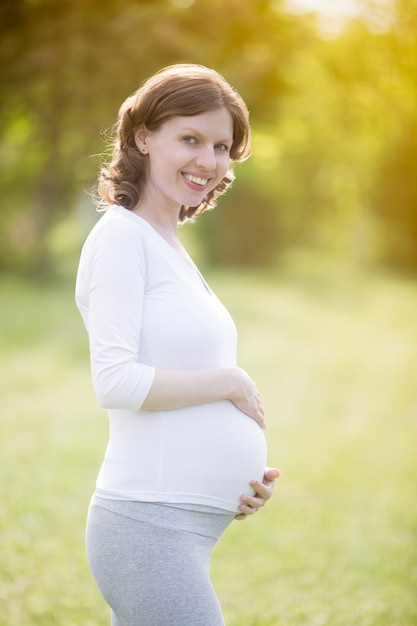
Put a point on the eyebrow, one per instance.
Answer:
(193, 131)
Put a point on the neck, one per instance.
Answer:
(166, 225)
(164, 222)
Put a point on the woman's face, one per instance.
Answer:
(188, 156)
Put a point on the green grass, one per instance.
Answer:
(334, 351)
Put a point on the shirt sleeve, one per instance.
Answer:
(116, 294)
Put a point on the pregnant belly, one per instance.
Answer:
(219, 451)
(204, 454)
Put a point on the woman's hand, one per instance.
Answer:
(174, 389)
(263, 492)
(246, 397)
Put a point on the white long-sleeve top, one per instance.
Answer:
(145, 307)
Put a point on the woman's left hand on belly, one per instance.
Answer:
(263, 492)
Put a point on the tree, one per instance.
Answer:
(394, 194)
(68, 65)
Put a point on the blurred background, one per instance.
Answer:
(313, 250)
(333, 100)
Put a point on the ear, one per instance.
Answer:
(141, 137)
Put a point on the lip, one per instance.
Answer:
(196, 185)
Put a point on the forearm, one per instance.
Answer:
(174, 389)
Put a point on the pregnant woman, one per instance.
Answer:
(186, 452)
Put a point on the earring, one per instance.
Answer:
(144, 150)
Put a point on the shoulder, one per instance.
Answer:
(118, 223)
(118, 230)
(118, 240)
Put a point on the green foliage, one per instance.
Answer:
(243, 230)
(395, 201)
(69, 65)
(329, 116)
(333, 349)
(394, 196)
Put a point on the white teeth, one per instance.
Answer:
(196, 179)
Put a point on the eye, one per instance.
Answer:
(222, 147)
(189, 139)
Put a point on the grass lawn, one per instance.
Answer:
(334, 352)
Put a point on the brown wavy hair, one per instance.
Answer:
(184, 90)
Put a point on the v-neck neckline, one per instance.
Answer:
(189, 264)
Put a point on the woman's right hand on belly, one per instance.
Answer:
(245, 395)
(174, 389)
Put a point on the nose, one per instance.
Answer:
(206, 158)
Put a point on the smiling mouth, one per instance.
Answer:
(196, 180)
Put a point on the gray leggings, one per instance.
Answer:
(151, 562)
